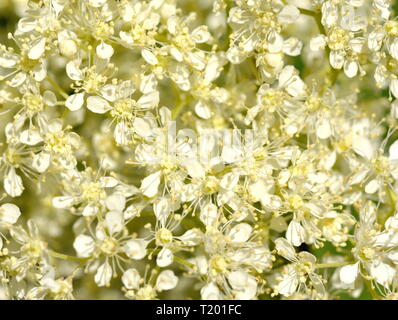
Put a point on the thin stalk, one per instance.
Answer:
(333, 265)
(57, 88)
(65, 256)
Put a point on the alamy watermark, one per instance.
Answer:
(228, 145)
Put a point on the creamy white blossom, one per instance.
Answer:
(165, 149)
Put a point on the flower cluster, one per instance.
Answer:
(225, 149)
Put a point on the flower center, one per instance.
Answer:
(272, 100)
(146, 293)
(338, 39)
(218, 264)
(93, 81)
(123, 109)
(57, 143)
(211, 185)
(12, 156)
(381, 164)
(392, 28)
(164, 236)
(109, 246)
(93, 191)
(367, 253)
(102, 30)
(33, 103)
(295, 201)
(34, 248)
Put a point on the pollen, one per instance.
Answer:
(124, 109)
(93, 192)
(338, 38)
(33, 103)
(164, 236)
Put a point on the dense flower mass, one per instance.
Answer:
(186, 149)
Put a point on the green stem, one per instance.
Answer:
(179, 103)
(65, 257)
(332, 77)
(184, 263)
(307, 12)
(372, 290)
(316, 15)
(57, 87)
(176, 111)
(333, 265)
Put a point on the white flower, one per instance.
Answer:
(302, 267)
(166, 280)
(244, 284)
(150, 185)
(349, 273)
(240, 232)
(131, 279)
(75, 101)
(249, 145)
(41, 161)
(210, 292)
(103, 275)
(104, 51)
(135, 249)
(164, 258)
(318, 42)
(291, 82)
(295, 233)
(98, 105)
(84, 245)
(9, 213)
(114, 221)
(13, 183)
(38, 48)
